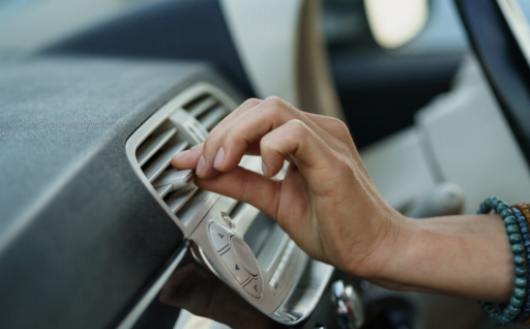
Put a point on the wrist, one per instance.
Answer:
(393, 238)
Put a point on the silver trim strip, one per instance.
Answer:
(140, 307)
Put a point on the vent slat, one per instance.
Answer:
(199, 107)
(176, 178)
(192, 206)
(176, 201)
(163, 190)
(153, 144)
(162, 161)
(212, 117)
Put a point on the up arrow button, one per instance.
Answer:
(219, 236)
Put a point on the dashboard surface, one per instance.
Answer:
(80, 236)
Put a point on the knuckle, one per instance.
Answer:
(274, 101)
(247, 104)
(341, 126)
(266, 143)
(251, 102)
(297, 128)
(275, 104)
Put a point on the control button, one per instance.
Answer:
(254, 287)
(219, 236)
(244, 255)
(234, 266)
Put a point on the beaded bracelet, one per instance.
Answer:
(508, 313)
(525, 234)
(522, 210)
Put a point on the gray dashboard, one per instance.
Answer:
(77, 227)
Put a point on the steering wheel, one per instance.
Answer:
(499, 33)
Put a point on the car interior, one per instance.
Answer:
(98, 230)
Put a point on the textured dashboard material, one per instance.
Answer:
(80, 236)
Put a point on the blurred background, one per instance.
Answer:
(407, 50)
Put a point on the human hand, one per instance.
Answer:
(326, 202)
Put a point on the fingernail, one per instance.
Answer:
(264, 168)
(219, 158)
(201, 167)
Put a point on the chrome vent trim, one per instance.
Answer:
(180, 124)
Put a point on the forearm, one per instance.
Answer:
(461, 255)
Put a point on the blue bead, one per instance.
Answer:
(515, 237)
(519, 260)
(519, 292)
(516, 301)
(512, 228)
(509, 220)
(505, 213)
(511, 310)
(517, 248)
(520, 282)
(520, 271)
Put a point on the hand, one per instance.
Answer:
(326, 202)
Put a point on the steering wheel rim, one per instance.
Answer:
(503, 62)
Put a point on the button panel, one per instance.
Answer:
(219, 237)
(254, 287)
(244, 255)
(236, 269)
(237, 258)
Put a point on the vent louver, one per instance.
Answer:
(167, 133)
(207, 110)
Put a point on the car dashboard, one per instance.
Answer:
(97, 218)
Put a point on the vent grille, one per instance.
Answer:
(167, 137)
(207, 110)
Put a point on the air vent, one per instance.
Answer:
(175, 128)
(207, 110)
(154, 156)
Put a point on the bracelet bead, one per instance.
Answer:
(515, 237)
(518, 248)
(520, 271)
(523, 224)
(517, 233)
